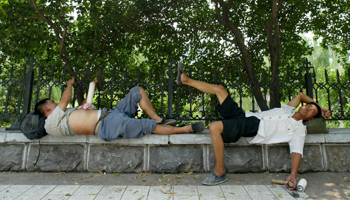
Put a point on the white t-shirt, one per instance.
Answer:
(278, 126)
(56, 123)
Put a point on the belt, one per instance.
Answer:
(98, 123)
(96, 127)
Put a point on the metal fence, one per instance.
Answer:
(22, 86)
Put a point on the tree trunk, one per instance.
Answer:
(274, 43)
(248, 64)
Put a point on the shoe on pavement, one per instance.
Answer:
(212, 179)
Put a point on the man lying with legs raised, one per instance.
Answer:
(111, 124)
(278, 125)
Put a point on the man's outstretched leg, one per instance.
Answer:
(167, 130)
(164, 129)
(204, 87)
(216, 128)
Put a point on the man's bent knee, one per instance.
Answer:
(141, 89)
(216, 128)
(221, 89)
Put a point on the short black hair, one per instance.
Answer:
(38, 109)
(318, 109)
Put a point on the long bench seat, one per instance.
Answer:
(168, 154)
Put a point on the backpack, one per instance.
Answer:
(32, 126)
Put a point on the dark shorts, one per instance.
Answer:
(236, 125)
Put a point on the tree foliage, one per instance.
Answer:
(79, 37)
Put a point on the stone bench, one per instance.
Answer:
(168, 154)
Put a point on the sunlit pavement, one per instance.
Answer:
(154, 186)
(138, 192)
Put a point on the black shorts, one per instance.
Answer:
(236, 125)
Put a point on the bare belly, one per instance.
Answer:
(83, 121)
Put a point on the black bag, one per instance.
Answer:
(32, 126)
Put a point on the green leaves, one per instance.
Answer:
(84, 36)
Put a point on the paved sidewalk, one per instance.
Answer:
(139, 192)
(129, 186)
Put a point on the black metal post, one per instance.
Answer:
(171, 89)
(308, 80)
(27, 94)
(28, 87)
(28, 91)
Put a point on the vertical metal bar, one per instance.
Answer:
(52, 80)
(191, 103)
(39, 80)
(138, 74)
(265, 88)
(112, 88)
(8, 91)
(21, 91)
(203, 96)
(308, 80)
(78, 83)
(300, 82)
(161, 112)
(99, 92)
(125, 79)
(28, 88)
(328, 95)
(252, 90)
(170, 89)
(216, 99)
(240, 88)
(313, 88)
(277, 88)
(340, 95)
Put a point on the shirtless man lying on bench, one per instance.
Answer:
(107, 124)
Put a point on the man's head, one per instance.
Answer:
(310, 110)
(45, 107)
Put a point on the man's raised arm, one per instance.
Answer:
(301, 97)
(66, 95)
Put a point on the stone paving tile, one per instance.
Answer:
(137, 190)
(134, 197)
(37, 192)
(184, 190)
(2, 187)
(13, 191)
(111, 192)
(161, 193)
(61, 192)
(210, 192)
(263, 196)
(235, 192)
(257, 189)
(55, 197)
(168, 197)
(86, 192)
(186, 198)
(115, 192)
(279, 192)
